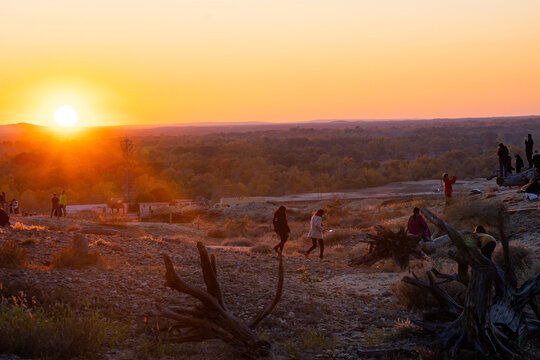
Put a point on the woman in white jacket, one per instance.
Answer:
(316, 232)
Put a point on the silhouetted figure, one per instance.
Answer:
(63, 202)
(4, 218)
(503, 154)
(519, 163)
(55, 203)
(3, 202)
(487, 243)
(417, 226)
(448, 190)
(281, 227)
(316, 232)
(529, 143)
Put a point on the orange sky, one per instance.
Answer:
(166, 61)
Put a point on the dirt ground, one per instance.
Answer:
(328, 310)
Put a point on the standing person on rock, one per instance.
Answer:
(55, 204)
(529, 143)
(281, 227)
(503, 154)
(519, 163)
(448, 186)
(63, 202)
(316, 233)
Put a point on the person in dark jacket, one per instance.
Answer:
(519, 163)
(281, 227)
(503, 154)
(55, 204)
(536, 161)
(4, 218)
(529, 143)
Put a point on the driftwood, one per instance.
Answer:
(492, 324)
(518, 179)
(210, 319)
(388, 244)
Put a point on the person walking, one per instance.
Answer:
(529, 143)
(448, 186)
(316, 233)
(503, 154)
(55, 203)
(63, 202)
(281, 227)
(519, 163)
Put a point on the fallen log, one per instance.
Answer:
(386, 244)
(518, 179)
(210, 318)
(492, 325)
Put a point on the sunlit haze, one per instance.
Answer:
(165, 61)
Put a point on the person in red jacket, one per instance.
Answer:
(448, 186)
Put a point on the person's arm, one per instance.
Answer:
(425, 226)
(454, 178)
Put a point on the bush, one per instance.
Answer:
(239, 227)
(100, 242)
(77, 259)
(419, 298)
(467, 212)
(262, 248)
(11, 256)
(30, 330)
(31, 240)
(216, 233)
(238, 242)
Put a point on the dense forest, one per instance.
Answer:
(90, 165)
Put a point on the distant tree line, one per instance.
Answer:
(270, 162)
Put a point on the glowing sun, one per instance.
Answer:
(65, 116)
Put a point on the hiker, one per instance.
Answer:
(14, 206)
(529, 149)
(281, 227)
(55, 203)
(63, 202)
(519, 163)
(417, 226)
(448, 186)
(486, 242)
(502, 153)
(316, 232)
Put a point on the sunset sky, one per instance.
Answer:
(154, 62)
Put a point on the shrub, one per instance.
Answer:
(21, 226)
(337, 236)
(76, 259)
(466, 212)
(11, 256)
(73, 227)
(336, 210)
(100, 242)
(30, 330)
(238, 242)
(31, 240)
(216, 233)
(239, 227)
(261, 248)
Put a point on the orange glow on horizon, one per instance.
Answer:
(169, 62)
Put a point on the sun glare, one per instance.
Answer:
(65, 116)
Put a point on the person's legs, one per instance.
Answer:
(321, 247)
(488, 249)
(314, 242)
(279, 246)
(501, 168)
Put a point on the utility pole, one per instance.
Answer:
(126, 145)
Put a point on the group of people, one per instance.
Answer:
(59, 204)
(505, 160)
(281, 227)
(12, 207)
(418, 227)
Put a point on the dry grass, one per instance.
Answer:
(147, 255)
(76, 259)
(73, 227)
(21, 226)
(31, 240)
(100, 242)
(415, 297)
(338, 236)
(11, 256)
(467, 212)
(238, 242)
(262, 248)
(217, 233)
